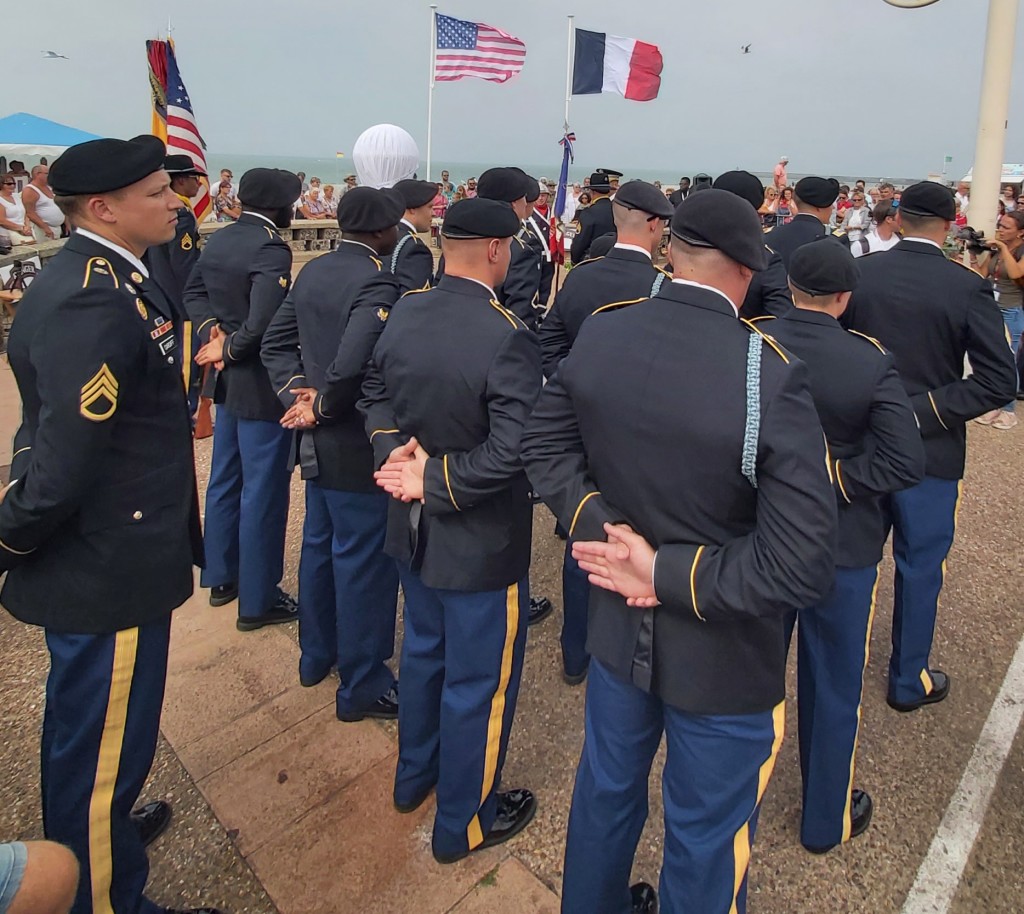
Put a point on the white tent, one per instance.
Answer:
(1012, 174)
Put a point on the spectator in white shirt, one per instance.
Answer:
(857, 218)
(1010, 198)
(883, 234)
(963, 196)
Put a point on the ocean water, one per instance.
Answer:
(333, 170)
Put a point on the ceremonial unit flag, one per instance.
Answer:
(173, 120)
(607, 63)
(557, 238)
(466, 48)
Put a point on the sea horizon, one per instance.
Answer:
(332, 170)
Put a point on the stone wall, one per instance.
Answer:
(308, 238)
(305, 235)
(43, 250)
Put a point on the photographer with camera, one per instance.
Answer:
(1002, 261)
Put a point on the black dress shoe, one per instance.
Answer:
(223, 594)
(645, 899)
(308, 680)
(516, 809)
(540, 609)
(861, 809)
(384, 708)
(284, 610)
(575, 679)
(413, 804)
(940, 689)
(151, 820)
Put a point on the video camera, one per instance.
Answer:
(976, 242)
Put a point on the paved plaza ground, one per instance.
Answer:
(280, 808)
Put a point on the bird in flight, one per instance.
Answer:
(53, 55)
(745, 48)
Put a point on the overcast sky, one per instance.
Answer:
(842, 86)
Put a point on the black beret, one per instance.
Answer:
(926, 198)
(721, 220)
(100, 166)
(480, 218)
(503, 184)
(532, 189)
(269, 188)
(602, 245)
(823, 267)
(816, 191)
(366, 209)
(415, 193)
(599, 181)
(182, 166)
(743, 184)
(644, 197)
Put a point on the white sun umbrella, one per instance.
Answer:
(384, 155)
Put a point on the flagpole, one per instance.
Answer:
(568, 73)
(430, 99)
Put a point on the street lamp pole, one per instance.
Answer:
(993, 110)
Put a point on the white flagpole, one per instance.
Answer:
(568, 73)
(430, 101)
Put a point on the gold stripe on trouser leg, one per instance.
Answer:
(474, 834)
(186, 357)
(741, 842)
(926, 679)
(847, 816)
(101, 864)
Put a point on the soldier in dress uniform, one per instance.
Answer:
(315, 350)
(242, 276)
(539, 226)
(930, 312)
(874, 449)
(519, 292)
(596, 220)
(769, 291)
(623, 277)
(734, 521)
(814, 200)
(99, 528)
(171, 264)
(451, 384)
(411, 262)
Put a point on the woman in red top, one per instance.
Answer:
(440, 204)
(786, 209)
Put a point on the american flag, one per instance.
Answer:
(173, 120)
(475, 49)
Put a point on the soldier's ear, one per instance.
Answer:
(99, 207)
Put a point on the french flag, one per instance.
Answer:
(608, 63)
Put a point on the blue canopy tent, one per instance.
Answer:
(27, 135)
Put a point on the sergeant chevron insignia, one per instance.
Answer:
(186, 242)
(99, 395)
